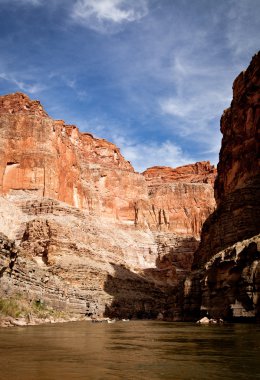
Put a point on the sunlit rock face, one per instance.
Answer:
(200, 172)
(180, 199)
(92, 235)
(46, 158)
(51, 159)
(226, 278)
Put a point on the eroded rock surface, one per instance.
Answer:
(239, 155)
(93, 236)
(200, 172)
(85, 265)
(225, 282)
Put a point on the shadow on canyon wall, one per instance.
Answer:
(153, 292)
(136, 296)
(235, 219)
(228, 289)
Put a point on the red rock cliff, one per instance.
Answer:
(226, 281)
(239, 155)
(200, 172)
(48, 158)
(99, 237)
(238, 180)
(51, 159)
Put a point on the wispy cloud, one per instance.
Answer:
(31, 88)
(243, 22)
(200, 94)
(203, 68)
(197, 110)
(154, 78)
(107, 15)
(22, 2)
(70, 81)
(201, 87)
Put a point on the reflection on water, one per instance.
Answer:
(133, 350)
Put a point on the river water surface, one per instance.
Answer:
(130, 350)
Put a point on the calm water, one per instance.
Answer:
(130, 350)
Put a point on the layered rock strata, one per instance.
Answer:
(46, 158)
(93, 236)
(88, 266)
(225, 282)
(201, 172)
(176, 206)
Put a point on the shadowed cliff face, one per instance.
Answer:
(152, 292)
(92, 235)
(239, 155)
(134, 296)
(226, 265)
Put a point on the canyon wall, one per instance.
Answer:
(226, 278)
(91, 235)
(46, 158)
(85, 233)
(180, 198)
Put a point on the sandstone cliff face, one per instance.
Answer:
(239, 156)
(180, 199)
(200, 172)
(93, 236)
(51, 159)
(226, 265)
(46, 158)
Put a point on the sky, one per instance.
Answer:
(152, 76)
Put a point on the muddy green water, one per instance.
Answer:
(130, 350)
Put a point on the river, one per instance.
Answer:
(130, 350)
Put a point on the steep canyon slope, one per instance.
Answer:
(81, 230)
(226, 278)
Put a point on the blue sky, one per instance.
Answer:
(153, 76)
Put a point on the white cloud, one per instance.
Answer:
(170, 75)
(107, 15)
(200, 94)
(176, 107)
(198, 109)
(144, 155)
(31, 88)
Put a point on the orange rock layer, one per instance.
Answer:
(47, 158)
(200, 172)
(92, 236)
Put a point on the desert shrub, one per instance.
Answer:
(13, 307)
(18, 306)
